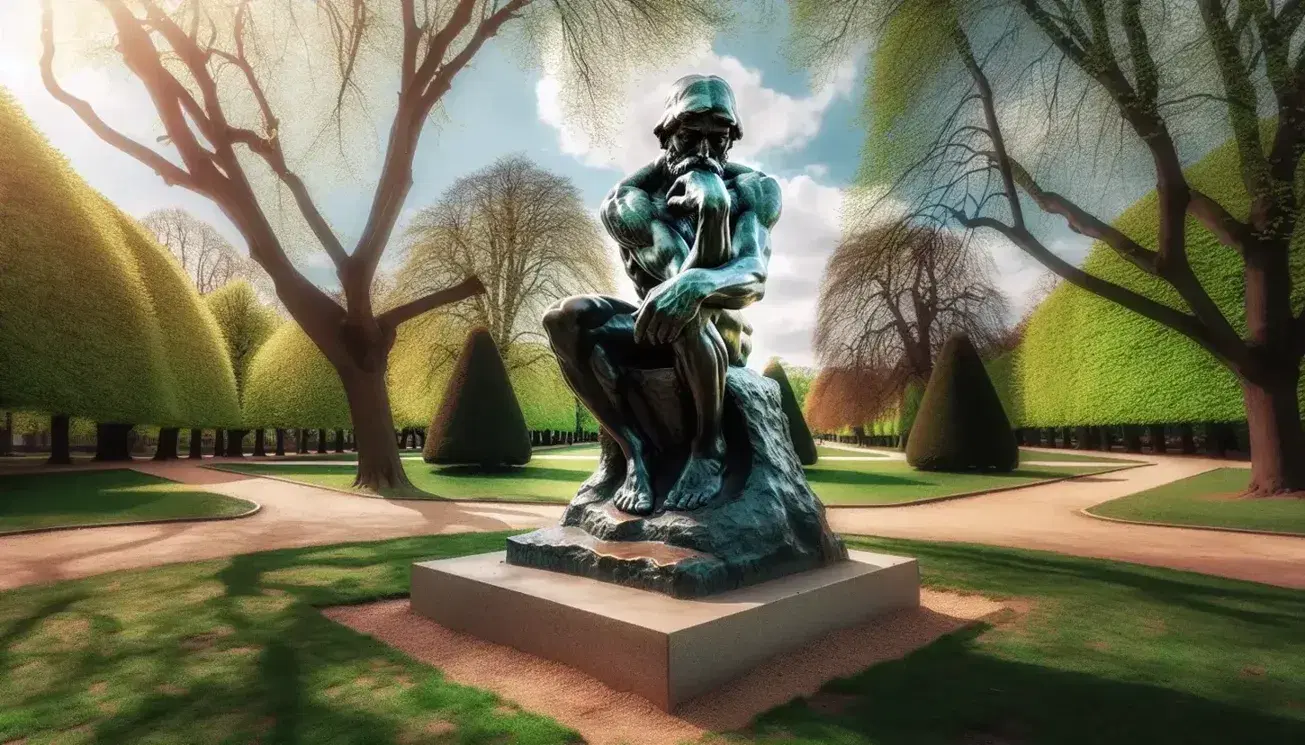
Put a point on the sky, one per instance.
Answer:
(807, 136)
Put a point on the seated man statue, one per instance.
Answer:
(694, 235)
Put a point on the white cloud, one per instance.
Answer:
(772, 121)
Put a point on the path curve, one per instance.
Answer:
(1039, 517)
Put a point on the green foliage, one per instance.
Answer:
(799, 434)
(291, 384)
(245, 323)
(96, 319)
(909, 409)
(1087, 361)
(420, 368)
(479, 421)
(1001, 371)
(960, 425)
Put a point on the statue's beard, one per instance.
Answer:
(680, 166)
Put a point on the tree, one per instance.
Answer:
(233, 96)
(981, 109)
(803, 444)
(846, 398)
(525, 232)
(961, 424)
(207, 258)
(245, 325)
(891, 295)
(479, 421)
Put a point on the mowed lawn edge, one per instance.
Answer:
(1207, 500)
(40, 502)
(868, 483)
(236, 650)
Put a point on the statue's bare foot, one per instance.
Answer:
(698, 485)
(635, 495)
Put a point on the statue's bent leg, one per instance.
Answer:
(580, 329)
(701, 360)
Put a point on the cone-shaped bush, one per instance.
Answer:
(803, 444)
(961, 425)
(479, 421)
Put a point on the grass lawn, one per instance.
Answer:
(1066, 456)
(1208, 499)
(835, 482)
(50, 500)
(234, 651)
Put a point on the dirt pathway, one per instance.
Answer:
(1040, 517)
(292, 515)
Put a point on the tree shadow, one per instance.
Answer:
(954, 691)
(860, 478)
(510, 473)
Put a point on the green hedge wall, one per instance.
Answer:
(1086, 361)
(96, 319)
(291, 384)
(418, 377)
(245, 324)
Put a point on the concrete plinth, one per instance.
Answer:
(665, 649)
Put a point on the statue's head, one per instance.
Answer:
(699, 125)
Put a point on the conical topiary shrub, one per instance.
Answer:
(479, 421)
(961, 424)
(803, 444)
(911, 397)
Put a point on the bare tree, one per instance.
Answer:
(1143, 84)
(849, 398)
(222, 77)
(893, 293)
(207, 258)
(525, 232)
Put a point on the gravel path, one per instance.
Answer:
(1040, 517)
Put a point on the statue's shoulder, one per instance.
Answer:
(755, 192)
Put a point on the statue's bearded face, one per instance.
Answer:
(699, 143)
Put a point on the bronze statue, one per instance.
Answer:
(694, 234)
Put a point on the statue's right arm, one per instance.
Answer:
(633, 220)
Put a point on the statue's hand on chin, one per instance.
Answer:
(695, 190)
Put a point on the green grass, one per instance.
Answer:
(234, 651)
(50, 500)
(835, 482)
(1066, 456)
(1208, 499)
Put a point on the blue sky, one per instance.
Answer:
(809, 138)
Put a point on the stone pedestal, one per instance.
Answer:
(765, 523)
(666, 649)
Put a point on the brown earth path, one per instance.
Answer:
(293, 515)
(1040, 517)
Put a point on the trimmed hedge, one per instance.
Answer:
(1087, 361)
(245, 324)
(292, 385)
(798, 433)
(479, 421)
(418, 378)
(96, 319)
(960, 424)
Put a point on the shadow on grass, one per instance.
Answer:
(509, 472)
(954, 692)
(861, 478)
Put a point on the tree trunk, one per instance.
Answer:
(236, 442)
(59, 453)
(379, 466)
(1277, 442)
(7, 435)
(260, 443)
(280, 441)
(1188, 439)
(196, 443)
(301, 441)
(339, 441)
(1084, 442)
(113, 442)
(1158, 444)
(1132, 439)
(167, 449)
(219, 445)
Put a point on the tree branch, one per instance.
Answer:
(1230, 231)
(467, 288)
